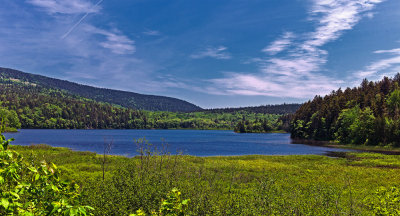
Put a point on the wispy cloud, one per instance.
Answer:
(213, 52)
(298, 73)
(115, 40)
(92, 54)
(254, 85)
(66, 7)
(151, 32)
(388, 65)
(392, 51)
(80, 21)
(334, 17)
(280, 44)
(370, 15)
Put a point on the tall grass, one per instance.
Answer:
(242, 185)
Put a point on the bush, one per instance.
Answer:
(171, 206)
(30, 190)
(386, 201)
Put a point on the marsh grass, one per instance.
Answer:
(239, 185)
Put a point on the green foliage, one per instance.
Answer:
(9, 119)
(279, 109)
(41, 102)
(34, 190)
(367, 115)
(393, 102)
(173, 205)
(355, 126)
(271, 123)
(240, 185)
(39, 107)
(385, 202)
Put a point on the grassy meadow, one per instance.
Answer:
(352, 184)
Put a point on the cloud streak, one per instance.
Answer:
(389, 65)
(79, 21)
(297, 74)
(115, 40)
(151, 32)
(280, 44)
(91, 54)
(212, 52)
(66, 7)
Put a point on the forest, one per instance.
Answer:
(279, 109)
(39, 107)
(121, 98)
(278, 124)
(43, 102)
(365, 115)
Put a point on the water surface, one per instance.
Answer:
(192, 142)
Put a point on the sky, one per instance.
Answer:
(224, 53)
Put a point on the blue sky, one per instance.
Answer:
(211, 53)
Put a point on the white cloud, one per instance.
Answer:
(91, 54)
(253, 84)
(370, 15)
(334, 17)
(66, 6)
(280, 44)
(151, 32)
(298, 73)
(115, 41)
(394, 51)
(213, 52)
(388, 65)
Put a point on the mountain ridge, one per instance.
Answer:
(126, 99)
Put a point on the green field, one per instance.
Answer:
(242, 185)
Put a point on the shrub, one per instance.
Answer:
(173, 205)
(27, 189)
(386, 201)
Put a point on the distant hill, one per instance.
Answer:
(123, 98)
(279, 109)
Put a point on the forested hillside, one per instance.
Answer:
(42, 102)
(39, 107)
(280, 109)
(368, 114)
(122, 98)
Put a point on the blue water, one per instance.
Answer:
(191, 142)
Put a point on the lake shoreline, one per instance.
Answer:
(361, 148)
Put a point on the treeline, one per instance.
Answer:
(279, 109)
(258, 126)
(368, 114)
(9, 119)
(39, 107)
(122, 98)
(270, 124)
